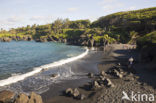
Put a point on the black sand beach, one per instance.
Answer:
(132, 80)
(111, 76)
(88, 64)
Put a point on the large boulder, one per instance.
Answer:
(6, 96)
(108, 82)
(69, 92)
(95, 85)
(35, 98)
(102, 73)
(76, 93)
(115, 73)
(22, 98)
(10, 97)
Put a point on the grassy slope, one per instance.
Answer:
(142, 21)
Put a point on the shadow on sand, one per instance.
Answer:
(138, 69)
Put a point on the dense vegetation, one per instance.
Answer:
(124, 27)
(147, 40)
(123, 23)
(74, 32)
(147, 46)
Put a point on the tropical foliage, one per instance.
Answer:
(142, 21)
(147, 40)
(125, 27)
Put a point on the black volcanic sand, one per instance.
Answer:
(81, 67)
(137, 79)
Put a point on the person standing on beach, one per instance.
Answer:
(130, 66)
(131, 60)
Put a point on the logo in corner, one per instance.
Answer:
(138, 97)
(125, 96)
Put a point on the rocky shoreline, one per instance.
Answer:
(11, 97)
(83, 40)
(114, 77)
(16, 38)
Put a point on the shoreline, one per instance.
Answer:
(101, 64)
(90, 65)
(36, 70)
(113, 55)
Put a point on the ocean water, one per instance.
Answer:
(22, 59)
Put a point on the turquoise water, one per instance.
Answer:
(22, 56)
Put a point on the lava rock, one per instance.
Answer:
(90, 75)
(103, 73)
(95, 85)
(108, 83)
(35, 98)
(81, 97)
(22, 98)
(69, 92)
(76, 93)
(6, 96)
(115, 73)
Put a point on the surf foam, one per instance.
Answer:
(16, 78)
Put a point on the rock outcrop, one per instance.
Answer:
(22, 98)
(35, 98)
(6, 96)
(16, 38)
(74, 93)
(69, 92)
(95, 85)
(116, 72)
(103, 73)
(11, 97)
(108, 82)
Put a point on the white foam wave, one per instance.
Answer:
(16, 78)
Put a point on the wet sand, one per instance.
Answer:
(137, 79)
(88, 64)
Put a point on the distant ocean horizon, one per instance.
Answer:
(28, 57)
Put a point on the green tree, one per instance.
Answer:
(57, 26)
